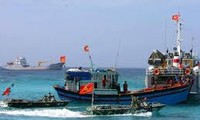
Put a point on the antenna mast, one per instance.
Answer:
(87, 50)
(179, 27)
(165, 44)
(117, 54)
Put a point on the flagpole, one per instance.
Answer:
(116, 59)
(86, 49)
(92, 103)
(91, 62)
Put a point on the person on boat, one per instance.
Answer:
(45, 98)
(153, 82)
(143, 102)
(125, 86)
(181, 81)
(176, 78)
(104, 82)
(187, 80)
(51, 97)
(170, 81)
(135, 103)
(139, 103)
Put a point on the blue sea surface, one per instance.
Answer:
(33, 85)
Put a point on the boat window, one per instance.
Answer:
(176, 53)
(69, 77)
(171, 55)
(98, 77)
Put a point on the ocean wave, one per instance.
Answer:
(74, 107)
(64, 113)
(58, 113)
(147, 114)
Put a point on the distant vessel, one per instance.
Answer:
(21, 64)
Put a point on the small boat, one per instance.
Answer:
(138, 106)
(44, 102)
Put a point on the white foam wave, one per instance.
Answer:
(44, 113)
(2, 104)
(147, 114)
(76, 107)
(57, 113)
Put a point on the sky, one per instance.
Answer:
(44, 30)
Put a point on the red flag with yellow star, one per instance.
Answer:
(7, 91)
(88, 88)
(176, 17)
(86, 48)
(63, 59)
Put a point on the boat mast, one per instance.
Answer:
(92, 102)
(178, 39)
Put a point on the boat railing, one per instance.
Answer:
(164, 71)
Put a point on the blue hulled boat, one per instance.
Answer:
(109, 94)
(169, 80)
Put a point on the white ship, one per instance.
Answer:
(20, 63)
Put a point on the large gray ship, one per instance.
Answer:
(20, 63)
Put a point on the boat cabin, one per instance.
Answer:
(102, 79)
(20, 61)
(173, 68)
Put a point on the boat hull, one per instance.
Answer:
(165, 96)
(113, 110)
(55, 66)
(17, 103)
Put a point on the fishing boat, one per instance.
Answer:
(168, 80)
(137, 106)
(44, 102)
(20, 63)
(111, 93)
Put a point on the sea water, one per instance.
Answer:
(33, 85)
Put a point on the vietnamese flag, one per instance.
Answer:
(86, 48)
(63, 59)
(7, 91)
(176, 17)
(88, 88)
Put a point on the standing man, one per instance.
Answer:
(125, 86)
(104, 82)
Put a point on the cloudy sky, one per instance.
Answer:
(47, 29)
